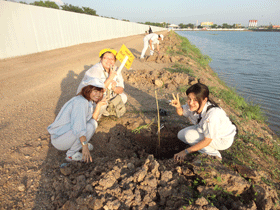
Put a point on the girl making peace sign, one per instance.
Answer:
(212, 130)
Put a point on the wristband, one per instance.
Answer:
(84, 143)
(186, 151)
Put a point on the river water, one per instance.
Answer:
(247, 61)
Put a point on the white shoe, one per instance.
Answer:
(76, 157)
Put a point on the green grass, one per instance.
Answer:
(248, 110)
(188, 49)
(180, 68)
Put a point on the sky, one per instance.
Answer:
(185, 11)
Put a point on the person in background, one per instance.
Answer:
(76, 122)
(149, 41)
(150, 30)
(113, 81)
(212, 130)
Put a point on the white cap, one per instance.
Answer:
(94, 81)
(161, 36)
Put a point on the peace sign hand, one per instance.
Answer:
(176, 101)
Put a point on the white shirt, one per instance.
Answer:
(153, 37)
(74, 116)
(214, 124)
(99, 72)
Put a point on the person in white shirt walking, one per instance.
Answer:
(149, 41)
(76, 122)
(212, 130)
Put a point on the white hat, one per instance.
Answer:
(161, 36)
(94, 81)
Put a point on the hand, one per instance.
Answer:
(176, 101)
(179, 157)
(102, 102)
(113, 72)
(86, 154)
(113, 85)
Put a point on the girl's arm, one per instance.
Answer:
(200, 145)
(97, 108)
(85, 151)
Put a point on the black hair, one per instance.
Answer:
(200, 91)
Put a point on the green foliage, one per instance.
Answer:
(249, 110)
(164, 25)
(177, 67)
(189, 49)
(89, 11)
(190, 25)
(49, 4)
(66, 7)
(138, 129)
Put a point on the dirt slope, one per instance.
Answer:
(129, 170)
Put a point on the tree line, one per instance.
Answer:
(224, 25)
(66, 7)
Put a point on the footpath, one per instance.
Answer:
(130, 170)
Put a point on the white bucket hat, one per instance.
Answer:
(96, 82)
(161, 36)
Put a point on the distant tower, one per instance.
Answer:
(253, 23)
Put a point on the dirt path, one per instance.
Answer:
(33, 88)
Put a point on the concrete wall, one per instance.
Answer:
(26, 29)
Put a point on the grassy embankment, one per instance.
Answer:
(255, 145)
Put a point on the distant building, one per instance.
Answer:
(206, 24)
(253, 23)
(276, 27)
(173, 26)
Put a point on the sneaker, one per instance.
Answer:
(76, 157)
(90, 147)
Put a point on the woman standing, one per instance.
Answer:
(76, 122)
(213, 130)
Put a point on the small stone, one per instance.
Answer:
(21, 188)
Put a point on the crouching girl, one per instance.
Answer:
(212, 130)
(76, 122)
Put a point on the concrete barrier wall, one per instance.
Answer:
(26, 29)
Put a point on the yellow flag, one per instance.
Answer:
(124, 51)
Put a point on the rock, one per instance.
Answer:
(246, 172)
(201, 202)
(66, 170)
(69, 205)
(96, 203)
(165, 192)
(21, 187)
(130, 166)
(107, 181)
(110, 205)
(166, 176)
(265, 196)
(158, 83)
